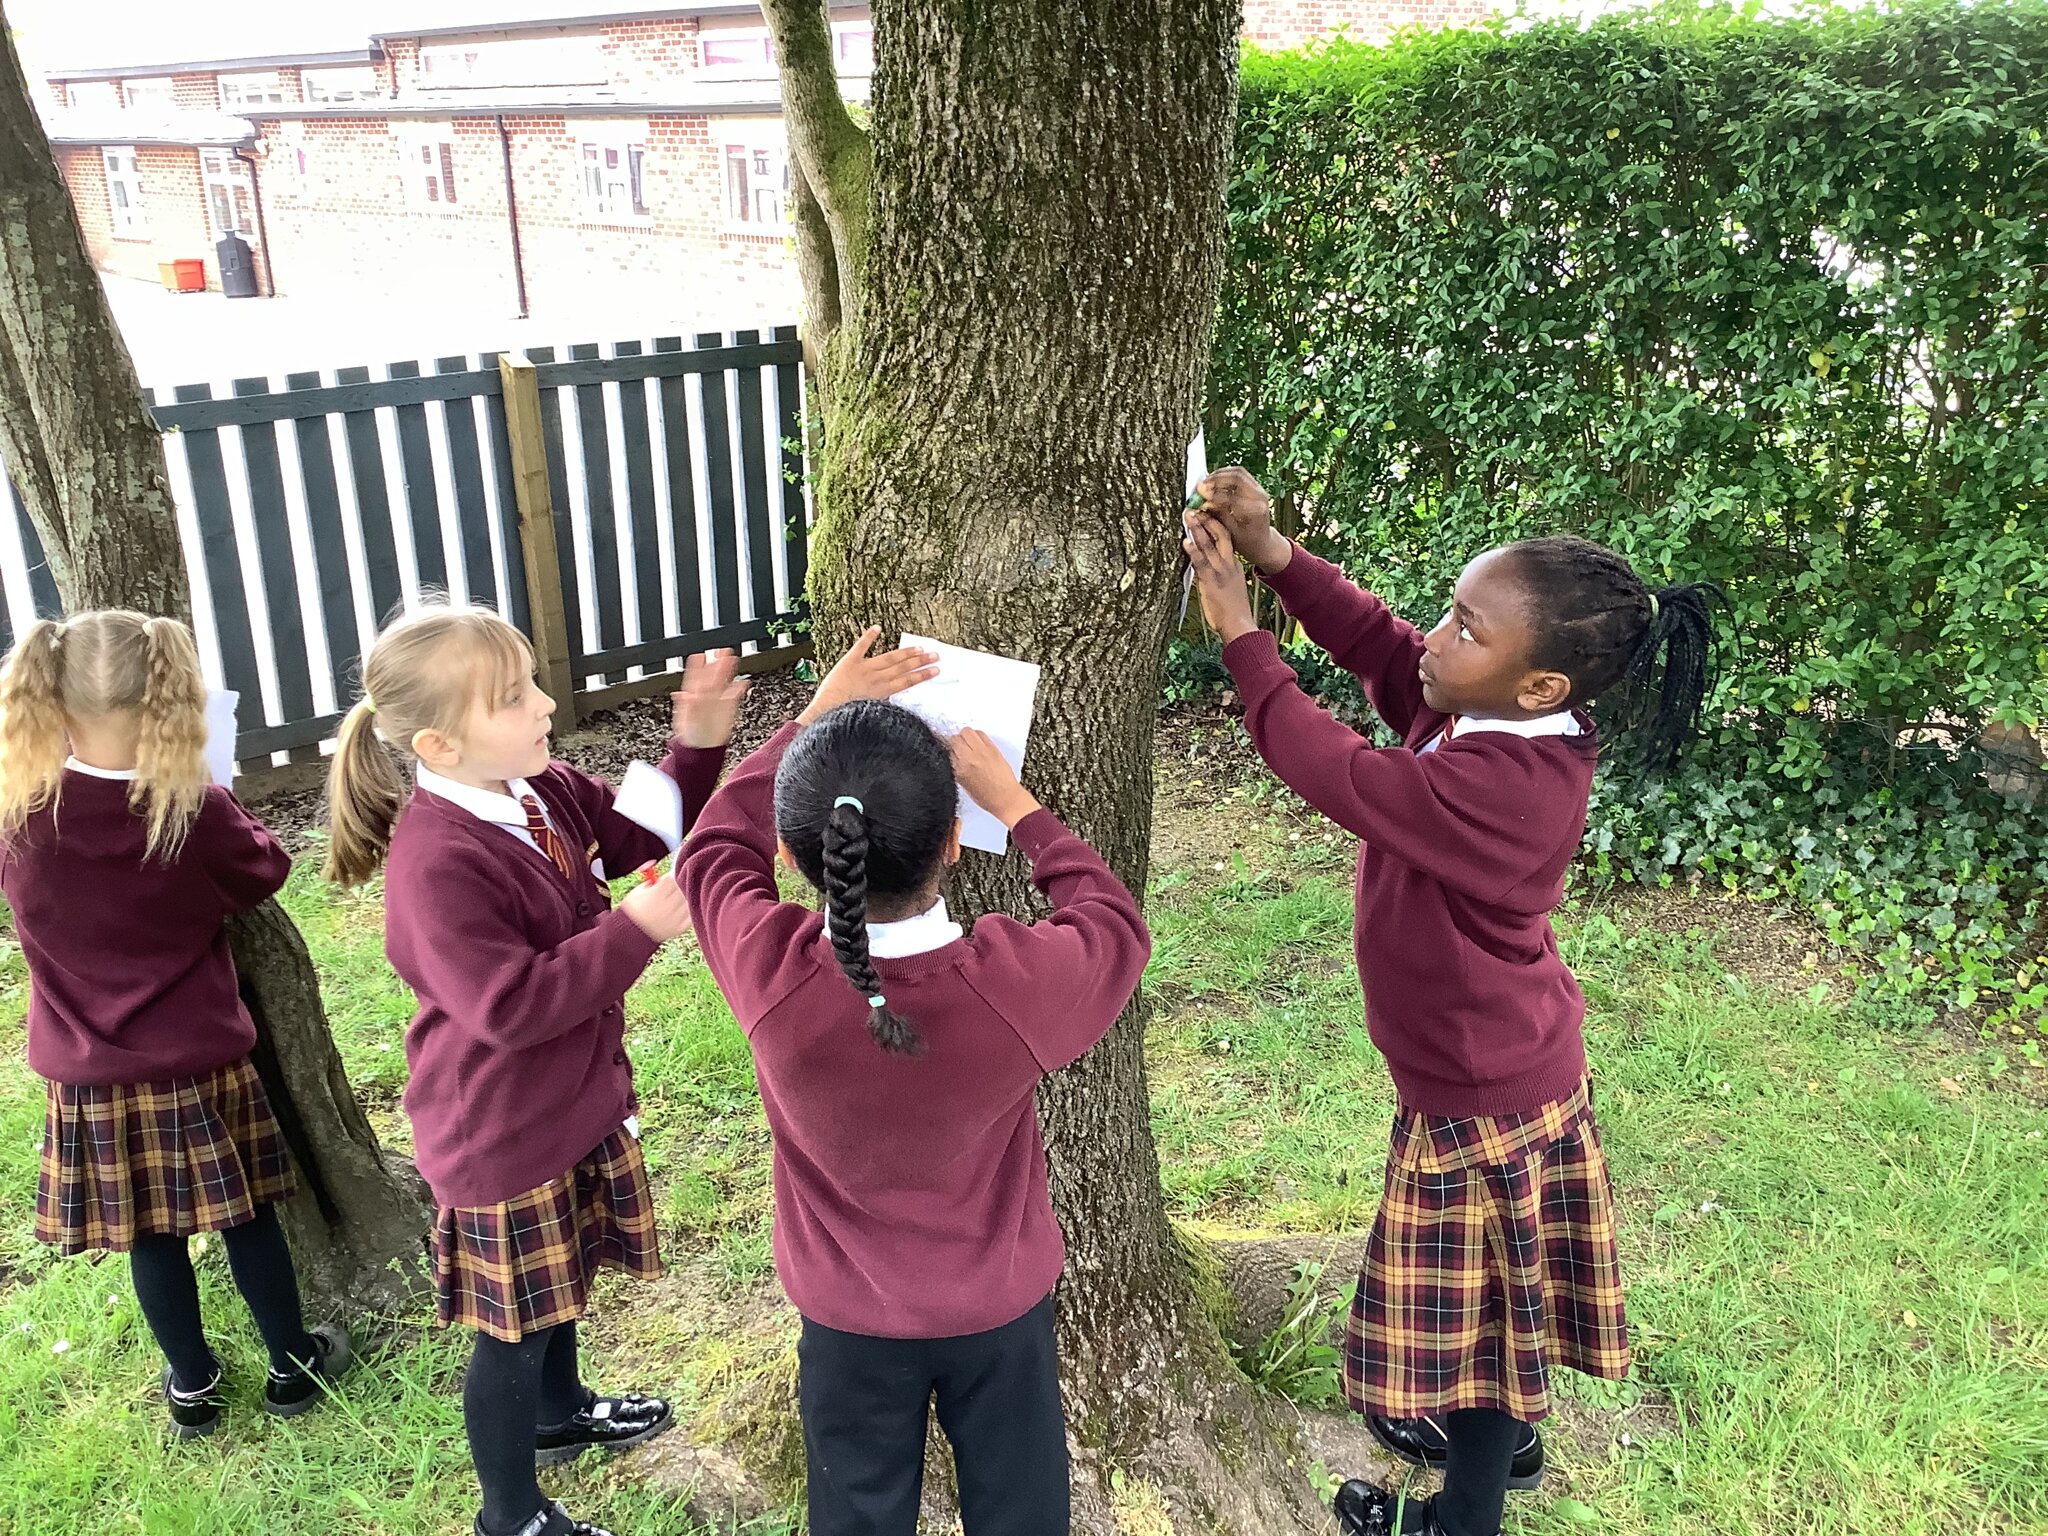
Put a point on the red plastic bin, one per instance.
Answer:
(188, 277)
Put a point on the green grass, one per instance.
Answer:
(1835, 1236)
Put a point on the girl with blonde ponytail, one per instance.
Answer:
(122, 863)
(498, 915)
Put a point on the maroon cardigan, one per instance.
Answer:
(130, 979)
(1465, 854)
(910, 1191)
(517, 1054)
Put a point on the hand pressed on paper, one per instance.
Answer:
(857, 675)
(986, 775)
(1226, 604)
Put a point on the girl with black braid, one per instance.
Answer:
(1492, 1260)
(898, 1056)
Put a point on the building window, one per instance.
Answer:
(230, 200)
(359, 82)
(854, 42)
(573, 58)
(150, 95)
(93, 95)
(429, 167)
(124, 194)
(757, 187)
(739, 53)
(265, 89)
(614, 180)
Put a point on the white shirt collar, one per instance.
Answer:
(1563, 723)
(486, 805)
(72, 763)
(930, 929)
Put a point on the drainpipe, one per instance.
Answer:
(262, 229)
(512, 217)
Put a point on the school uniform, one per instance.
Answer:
(519, 1090)
(913, 1228)
(155, 1120)
(1492, 1260)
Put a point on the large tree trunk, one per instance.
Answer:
(87, 459)
(1022, 277)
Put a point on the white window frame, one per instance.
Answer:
(227, 186)
(426, 155)
(125, 206)
(762, 68)
(97, 95)
(765, 210)
(611, 167)
(340, 83)
(252, 88)
(841, 32)
(157, 93)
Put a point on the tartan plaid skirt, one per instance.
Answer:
(526, 1263)
(1492, 1262)
(192, 1154)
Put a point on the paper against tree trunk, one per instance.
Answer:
(220, 736)
(988, 693)
(1198, 470)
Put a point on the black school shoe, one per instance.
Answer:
(611, 1423)
(552, 1521)
(194, 1414)
(294, 1392)
(1422, 1441)
(1364, 1510)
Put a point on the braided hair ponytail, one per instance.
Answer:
(1650, 658)
(865, 802)
(844, 851)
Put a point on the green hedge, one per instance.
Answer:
(1756, 301)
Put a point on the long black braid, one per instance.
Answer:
(865, 801)
(1648, 658)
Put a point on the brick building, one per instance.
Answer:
(533, 158)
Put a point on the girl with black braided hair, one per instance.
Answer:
(898, 1055)
(1492, 1259)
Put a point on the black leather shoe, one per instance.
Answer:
(295, 1392)
(194, 1414)
(612, 1423)
(1364, 1510)
(1423, 1442)
(552, 1521)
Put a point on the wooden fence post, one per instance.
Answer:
(528, 441)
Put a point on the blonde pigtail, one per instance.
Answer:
(365, 793)
(32, 741)
(170, 766)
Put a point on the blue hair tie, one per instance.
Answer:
(878, 1001)
(850, 800)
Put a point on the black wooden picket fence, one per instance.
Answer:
(624, 510)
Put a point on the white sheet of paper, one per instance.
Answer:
(649, 798)
(220, 736)
(989, 693)
(1198, 469)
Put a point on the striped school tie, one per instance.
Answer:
(544, 837)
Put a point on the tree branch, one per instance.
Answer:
(831, 150)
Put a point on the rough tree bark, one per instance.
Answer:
(87, 459)
(1011, 280)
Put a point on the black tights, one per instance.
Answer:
(511, 1392)
(262, 1266)
(1483, 1442)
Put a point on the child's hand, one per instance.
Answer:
(1240, 503)
(658, 910)
(1218, 577)
(989, 780)
(857, 675)
(709, 699)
